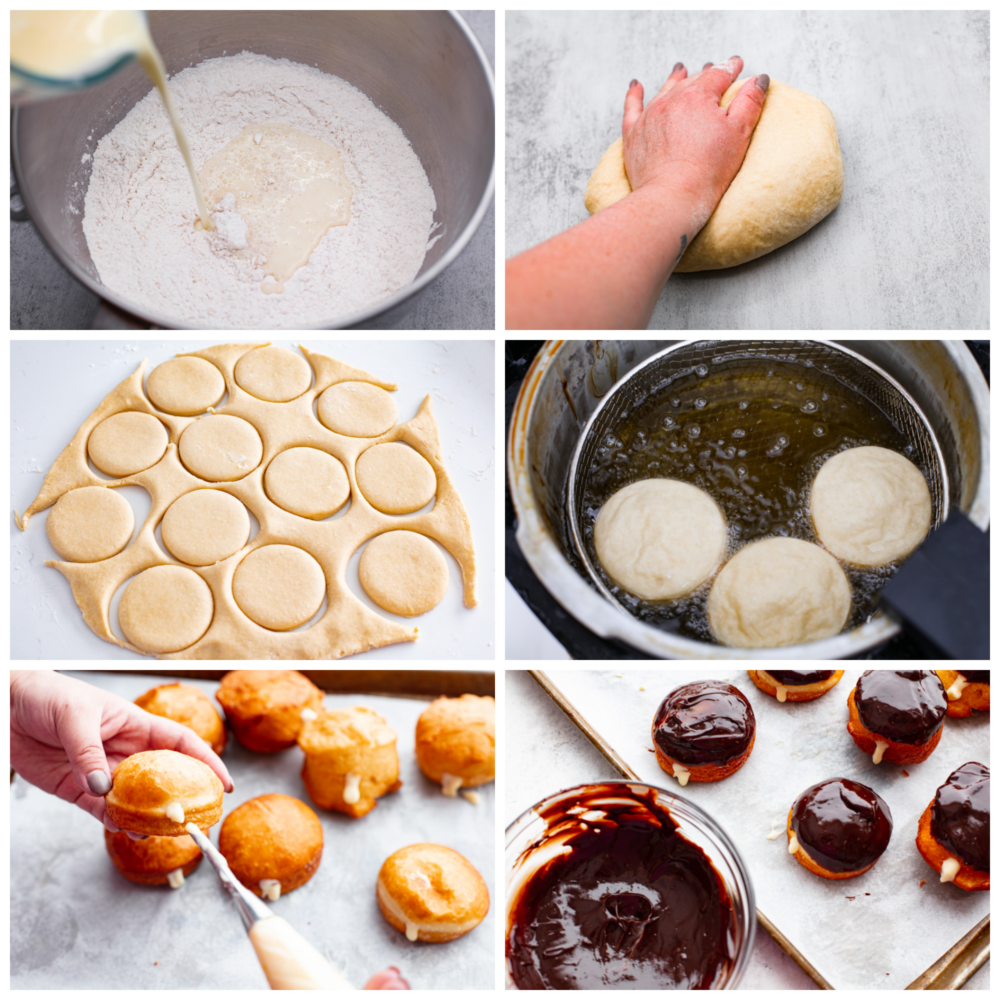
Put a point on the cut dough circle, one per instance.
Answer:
(778, 592)
(273, 374)
(185, 386)
(220, 448)
(660, 538)
(395, 478)
(127, 443)
(792, 177)
(166, 609)
(870, 506)
(279, 587)
(403, 572)
(90, 524)
(307, 482)
(204, 527)
(357, 409)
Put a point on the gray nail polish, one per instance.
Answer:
(632, 84)
(99, 783)
(706, 66)
(137, 836)
(677, 67)
(763, 81)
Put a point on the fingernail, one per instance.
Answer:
(137, 836)
(735, 57)
(632, 84)
(763, 81)
(706, 66)
(111, 827)
(99, 783)
(677, 68)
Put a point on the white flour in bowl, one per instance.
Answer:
(139, 211)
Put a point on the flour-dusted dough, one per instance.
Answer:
(273, 374)
(870, 506)
(279, 586)
(395, 478)
(165, 609)
(185, 386)
(221, 449)
(204, 527)
(778, 592)
(307, 482)
(791, 178)
(403, 572)
(90, 524)
(660, 538)
(358, 409)
(127, 443)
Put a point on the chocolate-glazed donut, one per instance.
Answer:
(796, 685)
(794, 678)
(960, 816)
(905, 706)
(976, 676)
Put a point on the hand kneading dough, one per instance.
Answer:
(90, 524)
(660, 538)
(870, 506)
(778, 592)
(791, 178)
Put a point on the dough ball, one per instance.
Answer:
(357, 409)
(204, 527)
(778, 592)
(185, 386)
(273, 374)
(660, 538)
(791, 178)
(870, 506)
(307, 482)
(395, 478)
(90, 524)
(403, 572)
(279, 587)
(127, 443)
(165, 609)
(220, 448)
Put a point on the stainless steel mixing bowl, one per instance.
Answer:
(424, 69)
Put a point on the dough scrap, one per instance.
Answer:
(404, 573)
(127, 443)
(165, 609)
(307, 482)
(395, 479)
(660, 538)
(778, 592)
(273, 374)
(870, 506)
(204, 527)
(221, 449)
(185, 386)
(358, 409)
(90, 524)
(279, 587)
(792, 177)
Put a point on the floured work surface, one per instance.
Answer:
(880, 930)
(223, 597)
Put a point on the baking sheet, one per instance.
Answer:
(77, 924)
(56, 385)
(878, 931)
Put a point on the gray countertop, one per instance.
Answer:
(908, 246)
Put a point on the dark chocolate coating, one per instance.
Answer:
(633, 905)
(905, 706)
(842, 825)
(976, 676)
(793, 678)
(960, 816)
(708, 722)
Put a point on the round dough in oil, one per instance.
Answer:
(307, 482)
(220, 448)
(127, 443)
(778, 592)
(185, 386)
(273, 374)
(792, 177)
(357, 409)
(870, 506)
(90, 524)
(395, 478)
(660, 538)
(204, 527)
(403, 572)
(279, 587)
(165, 609)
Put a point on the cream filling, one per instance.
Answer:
(176, 878)
(352, 788)
(880, 748)
(438, 926)
(308, 714)
(777, 828)
(472, 796)
(271, 888)
(950, 869)
(450, 784)
(682, 774)
(793, 843)
(957, 687)
(781, 692)
(175, 812)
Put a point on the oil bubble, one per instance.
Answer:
(701, 370)
(742, 453)
(743, 404)
(819, 430)
(741, 471)
(675, 401)
(700, 403)
(810, 406)
(693, 431)
(779, 445)
(739, 432)
(669, 423)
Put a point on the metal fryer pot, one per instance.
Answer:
(565, 384)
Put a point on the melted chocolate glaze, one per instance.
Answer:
(976, 676)
(792, 678)
(906, 706)
(632, 905)
(708, 722)
(960, 817)
(841, 824)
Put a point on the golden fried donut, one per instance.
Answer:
(189, 706)
(157, 791)
(967, 690)
(350, 760)
(456, 742)
(273, 844)
(265, 707)
(431, 893)
(795, 685)
(155, 860)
